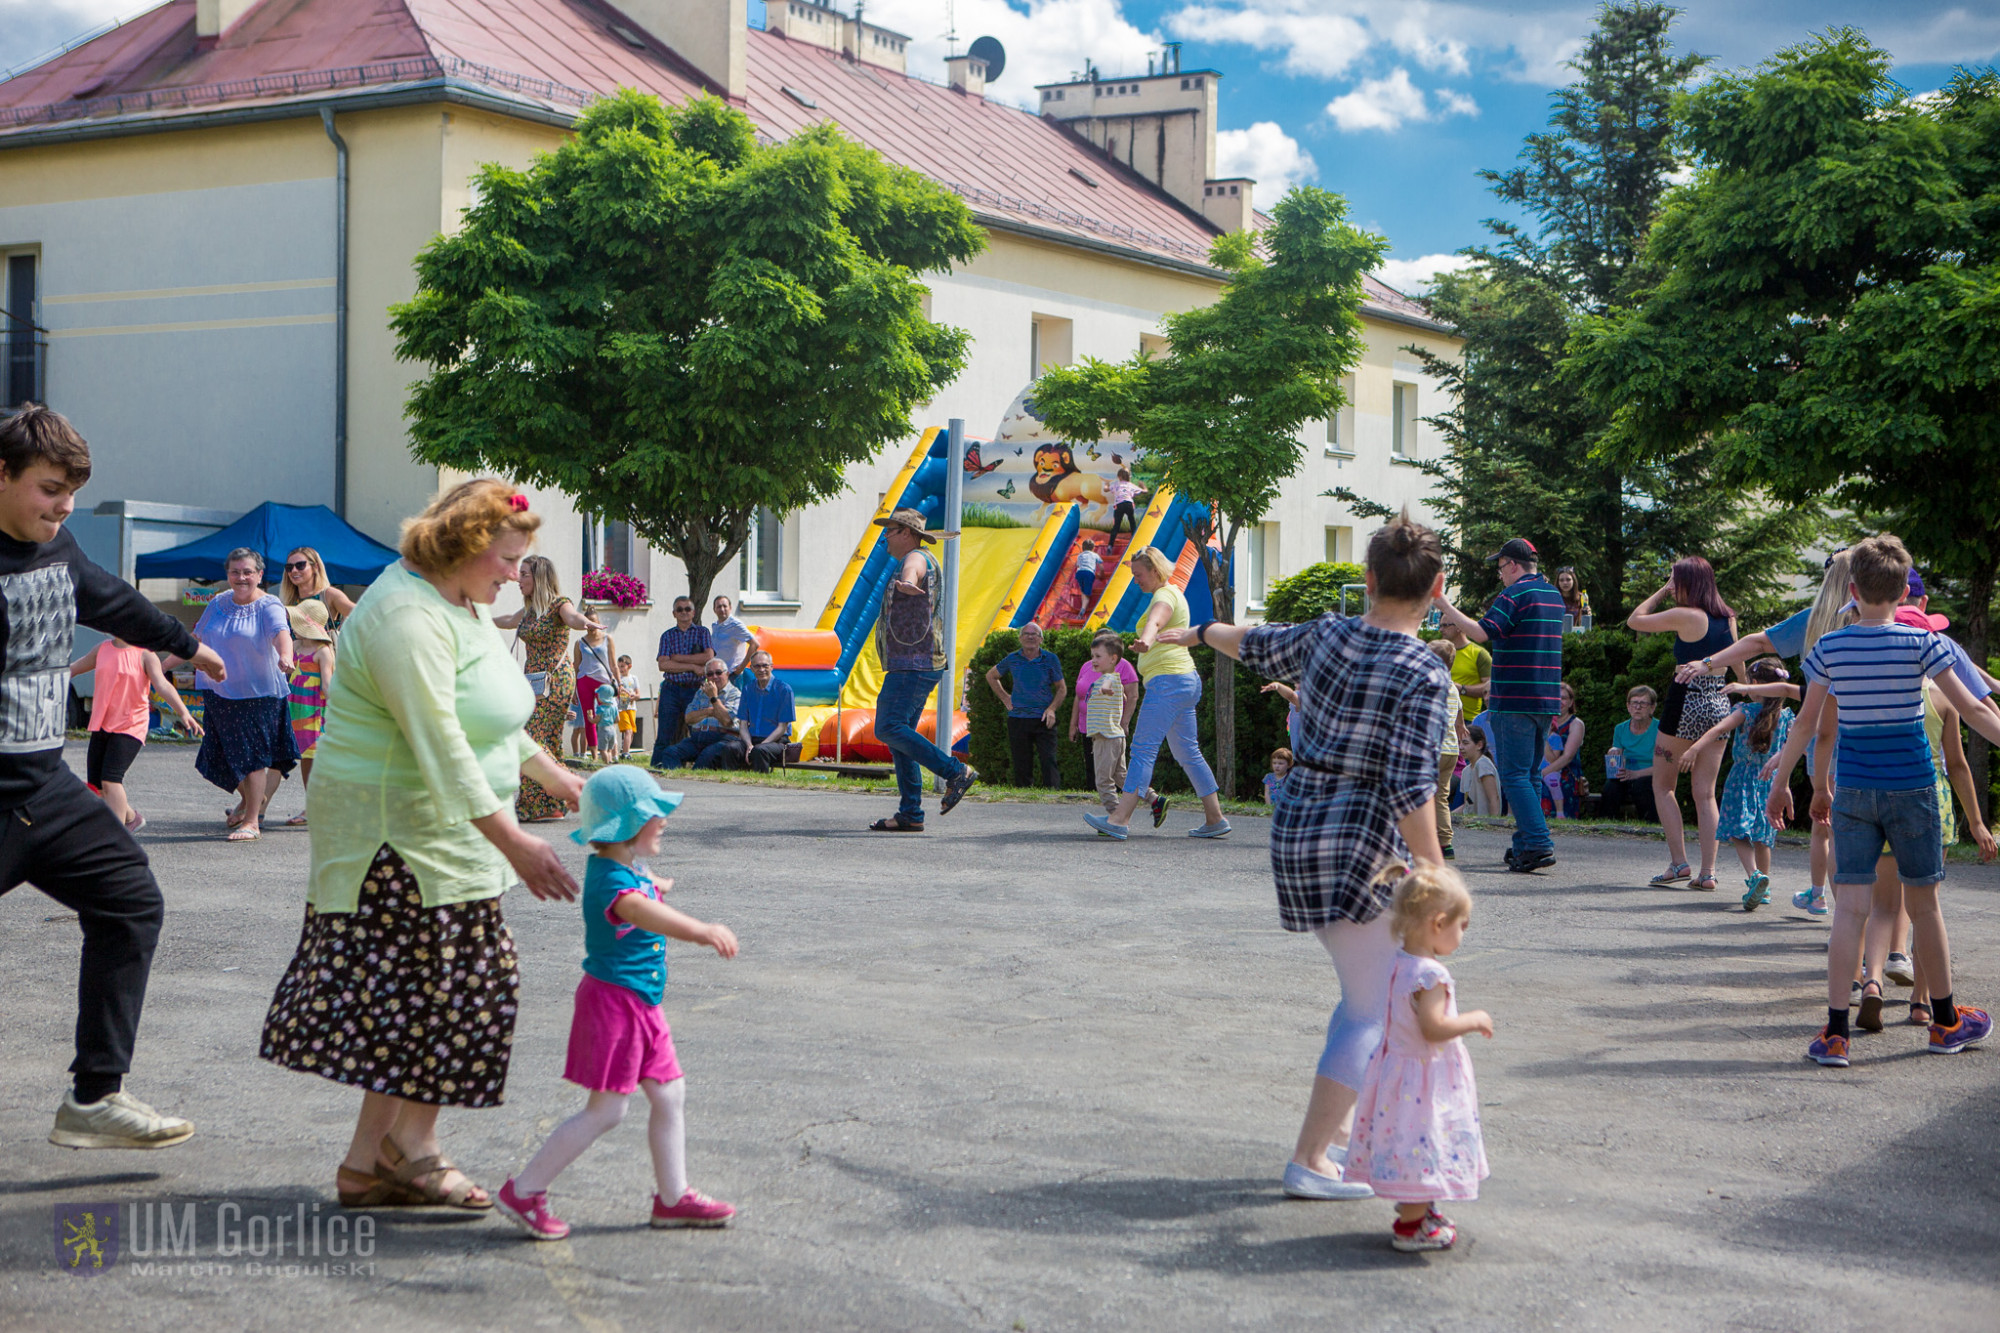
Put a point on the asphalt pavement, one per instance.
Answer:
(1007, 1075)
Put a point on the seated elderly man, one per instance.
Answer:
(764, 717)
(711, 719)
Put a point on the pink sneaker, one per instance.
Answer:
(531, 1213)
(694, 1210)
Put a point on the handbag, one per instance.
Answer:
(538, 681)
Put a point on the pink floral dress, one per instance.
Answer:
(1416, 1127)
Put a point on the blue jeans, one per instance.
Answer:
(701, 749)
(1166, 713)
(674, 698)
(1517, 742)
(897, 711)
(1864, 819)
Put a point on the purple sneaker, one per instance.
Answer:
(530, 1212)
(1830, 1049)
(1972, 1027)
(694, 1210)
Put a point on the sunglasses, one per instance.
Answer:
(291, 565)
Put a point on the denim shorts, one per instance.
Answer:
(1864, 819)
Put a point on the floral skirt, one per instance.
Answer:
(240, 736)
(546, 724)
(398, 998)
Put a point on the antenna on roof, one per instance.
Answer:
(950, 30)
(988, 51)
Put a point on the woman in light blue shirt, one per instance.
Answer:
(248, 746)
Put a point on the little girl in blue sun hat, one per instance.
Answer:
(618, 1039)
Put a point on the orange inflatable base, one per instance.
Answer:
(857, 735)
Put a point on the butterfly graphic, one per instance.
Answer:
(1017, 453)
(973, 467)
(1092, 454)
(1007, 492)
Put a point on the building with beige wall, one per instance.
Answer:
(171, 195)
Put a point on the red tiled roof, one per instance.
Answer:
(1009, 165)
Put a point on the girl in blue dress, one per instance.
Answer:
(1761, 723)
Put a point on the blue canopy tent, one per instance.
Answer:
(276, 530)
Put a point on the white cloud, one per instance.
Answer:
(1526, 40)
(1046, 40)
(1412, 277)
(1389, 103)
(33, 28)
(1267, 155)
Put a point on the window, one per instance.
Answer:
(1340, 545)
(1049, 343)
(1403, 420)
(25, 341)
(1155, 346)
(608, 546)
(1263, 560)
(1340, 425)
(763, 569)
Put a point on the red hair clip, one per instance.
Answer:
(518, 503)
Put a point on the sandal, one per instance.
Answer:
(1870, 1017)
(1705, 883)
(244, 833)
(424, 1179)
(1920, 1014)
(296, 821)
(1675, 872)
(895, 824)
(358, 1189)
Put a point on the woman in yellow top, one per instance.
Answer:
(404, 981)
(1167, 709)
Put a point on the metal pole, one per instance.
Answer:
(339, 313)
(954, 513)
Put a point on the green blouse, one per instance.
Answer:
(423, 735)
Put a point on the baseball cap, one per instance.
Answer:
(1909, 615)
(1518, 549)
(619, 801)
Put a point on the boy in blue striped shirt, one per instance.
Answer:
(1875, 671)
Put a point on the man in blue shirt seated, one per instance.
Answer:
(711, 719)
(1033, 695)
(764, 717)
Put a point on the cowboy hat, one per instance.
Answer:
(309, 621)
(914, 520)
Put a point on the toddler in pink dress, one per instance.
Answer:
(1416, 1125)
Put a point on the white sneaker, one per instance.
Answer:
(1899, 971)
(1305, 1183)
(118, 1121)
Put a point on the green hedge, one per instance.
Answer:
(1260, 719)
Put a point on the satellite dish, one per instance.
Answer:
(989, 50)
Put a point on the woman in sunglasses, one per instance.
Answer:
(306, 581)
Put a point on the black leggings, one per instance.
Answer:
(68, 844)
(1123, 513)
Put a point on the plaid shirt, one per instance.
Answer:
(678, 642)
(1372, 705)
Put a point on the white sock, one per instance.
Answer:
(666, 1135)
(600, 1115)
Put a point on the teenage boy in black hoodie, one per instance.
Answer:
(53, 832)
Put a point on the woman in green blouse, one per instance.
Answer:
(404, 980)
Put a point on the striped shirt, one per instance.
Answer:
(1524, 630)
(1877, 674)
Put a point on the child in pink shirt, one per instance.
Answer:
(119, 715)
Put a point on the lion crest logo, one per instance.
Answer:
(86, 1237)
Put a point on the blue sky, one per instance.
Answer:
(1394, 103)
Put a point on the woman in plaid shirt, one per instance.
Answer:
(1372, 705)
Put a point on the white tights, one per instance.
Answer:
(666, 1136)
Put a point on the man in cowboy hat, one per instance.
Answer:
(910, 639)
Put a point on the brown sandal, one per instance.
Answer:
(358, 1189)
(424, 1178)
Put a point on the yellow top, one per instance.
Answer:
(423, 735)
(1166, 660)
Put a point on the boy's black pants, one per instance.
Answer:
(67, 843)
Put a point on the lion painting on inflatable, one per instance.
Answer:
(1058, 481)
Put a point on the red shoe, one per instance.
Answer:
(694, 1210)
(530, 1212)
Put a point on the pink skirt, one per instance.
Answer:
(616, 1039)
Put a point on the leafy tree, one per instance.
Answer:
(1824, 305)
(1221, 413)
(1311, 593)
(675, 325)
(1521, 433)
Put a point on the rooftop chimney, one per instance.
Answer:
(1160, 125)
(966, 74)
(711, 35)
(1226, 203)
(212, 18)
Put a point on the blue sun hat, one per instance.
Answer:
(617, 802)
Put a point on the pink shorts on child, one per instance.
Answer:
(616, 1039)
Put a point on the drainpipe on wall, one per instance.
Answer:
(339, 315)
